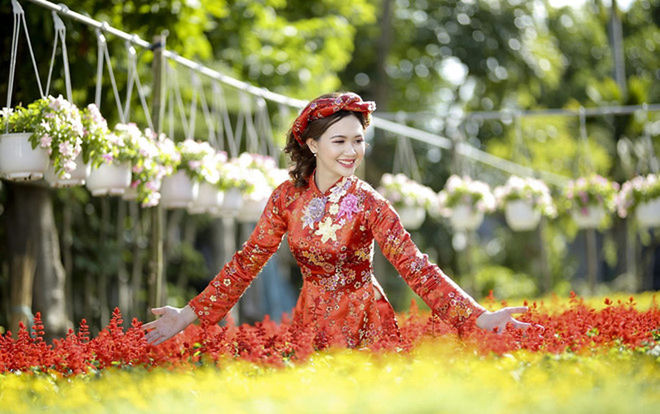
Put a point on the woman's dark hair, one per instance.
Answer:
(304, 162)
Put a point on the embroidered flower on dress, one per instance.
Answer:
(339, 190)
(334, 208)
(314, 212)
(348, 206)
(327, 230)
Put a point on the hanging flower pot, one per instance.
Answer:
(588, 217)
(589, 198)
(411, 217)
(109, 179)
(209, 198)
(648, 213)
(466, 217)
(410, 199)
(464, 201)
(178, 190)
(642, 195)
(521, 216)
(251, 210)
(232, 202)
(48, 128)
(524, 200)
(77, 176)
(19, 161)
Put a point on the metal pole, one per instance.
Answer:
(156, 268)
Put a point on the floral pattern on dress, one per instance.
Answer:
(348, 206)
(314, 212)
(327, 230)
(334, 249)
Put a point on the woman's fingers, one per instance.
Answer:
(149, 325)
(521, 325)
(152, 336)
(516, 309)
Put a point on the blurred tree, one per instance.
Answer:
(293, 47)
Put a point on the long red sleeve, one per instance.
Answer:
(227, 286)
(426, 279)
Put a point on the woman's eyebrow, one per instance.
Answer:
(344, 136)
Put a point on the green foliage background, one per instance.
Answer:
(438, 57)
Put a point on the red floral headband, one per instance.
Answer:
(324, 107)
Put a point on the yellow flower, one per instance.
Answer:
(327, 230)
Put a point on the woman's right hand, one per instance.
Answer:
(172, 321)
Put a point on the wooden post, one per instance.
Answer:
(546, 276)
(137, 266)
(156, 268)
(592, 260)
(123, 292)
(102, 281)
(631, 256)
(22, 277)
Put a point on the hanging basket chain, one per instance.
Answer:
(19, 19)
(194, 79)
(653, 165)
(584, 139)
(179, 102)
(104, 54)
(253, 143)
(60, 35)
(140, 90)
(217, 115)
(208, 117)
(130, 78)
(240, 120)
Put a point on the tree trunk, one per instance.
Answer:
(137, 263)
(22, 277)
(67, 257)
(30, 221)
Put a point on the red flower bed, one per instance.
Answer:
(578, 329)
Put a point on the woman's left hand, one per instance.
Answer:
(500, 318)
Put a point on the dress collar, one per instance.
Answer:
(315, 189)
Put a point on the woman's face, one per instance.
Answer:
(340, 149)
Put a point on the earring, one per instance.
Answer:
(314, 154)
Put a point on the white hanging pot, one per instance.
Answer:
(78, 176)
(588, 218)
(465, 217)
(209, 198)
(648, 213)
(178, 190)
(232, 202)
(411, 217)
(109, 179)
(521, 216)
(251, 210)
(19, 161)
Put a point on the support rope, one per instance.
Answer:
(19, 19)
(60, 37)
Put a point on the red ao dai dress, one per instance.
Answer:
(331, 236)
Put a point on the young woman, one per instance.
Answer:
(331, 219)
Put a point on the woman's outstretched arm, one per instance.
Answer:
(213, 303)
(441, 293)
